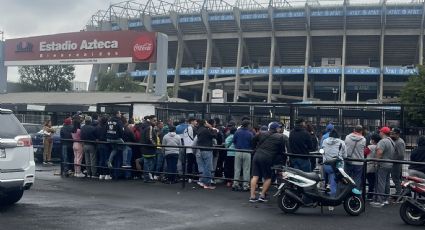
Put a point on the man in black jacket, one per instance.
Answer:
(114, 134)
(300, 143)
(204, 157)
(149, 137)
(65, 133)
(88, 133)
(269, 147)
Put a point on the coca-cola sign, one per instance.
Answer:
(143, 48)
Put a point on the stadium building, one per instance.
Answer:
(284, 50)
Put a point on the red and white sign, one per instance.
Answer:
(99, 47)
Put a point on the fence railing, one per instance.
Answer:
(184, 175)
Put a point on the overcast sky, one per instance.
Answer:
(23, 18)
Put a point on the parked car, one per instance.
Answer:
(17, 166)
(33, 130)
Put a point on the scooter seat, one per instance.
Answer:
(309, 175)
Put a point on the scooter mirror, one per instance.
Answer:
(321, 151)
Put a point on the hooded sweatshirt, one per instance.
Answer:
(334, 148)
(356, 144)
(171, 139)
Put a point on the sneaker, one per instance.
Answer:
(108, 177)
(80, 175)
(200, 184)
(213, 181)
(44, 163)
(209, 187)
(190, 181)
(110, 164)
(331, 208)
(102, 177)
(253, 200)
(377, 204)
(262, 199)
(155, 177)
(386, 202)
(50, 163)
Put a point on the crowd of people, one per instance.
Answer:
(165, 150)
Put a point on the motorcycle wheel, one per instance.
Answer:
(354, 205)
(411, 215)
(287, 204)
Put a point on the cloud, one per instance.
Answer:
(25, 18)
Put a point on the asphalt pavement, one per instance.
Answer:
(70, 203)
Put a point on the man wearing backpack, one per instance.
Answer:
(385, 150)
(400, 148)
(355, 143)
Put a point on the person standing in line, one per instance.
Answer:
(88, 133)
(385, 150)
(48, 132)
(65, 133)
(114, 134)
(103, 149)
(159, 161)
(370, 153)
(229, 164)
(356, 144)
(243, 140)
(149, 138)
(328, 130)
(171, 153)
(300, 143)
(206, 134)
(400, 152)
(418, 155)
(189, 135)
(315, 142)
(128, 137)
(268, 148)
(77, 147)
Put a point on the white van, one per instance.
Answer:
(17, 166)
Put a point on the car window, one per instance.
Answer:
(10, 126)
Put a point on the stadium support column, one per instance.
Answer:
(307, 54)
(93, 77)
(272, 57)
(344, 48)
(208, 56)
(179, 56)
(381, 55)
(237, 14)
(421, 37)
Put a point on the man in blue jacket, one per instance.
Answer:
(243, 140)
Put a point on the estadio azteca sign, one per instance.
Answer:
(102, 47)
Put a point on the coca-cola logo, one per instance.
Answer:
(143, 48)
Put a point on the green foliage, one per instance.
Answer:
(414, 93)
(113, 83)
(46, 78)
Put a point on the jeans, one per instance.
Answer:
(242, 164)
(205, 164)
(356, 172)
(159, 161)
(371, 181)
(382, 183)
(396, 176)
(65, 157)
(172, 166)
(148, 166)
(91, 158)
(103, 153)
(115, 148)
(331, 177)
(127, 154)
(229, 167)
(302, 164)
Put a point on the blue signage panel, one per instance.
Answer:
(326, 13)
(254, 16)
(289, 70)
(221, 17)
(362, 71)
(190, 19)
(289, 14)
(133, 24)
(159, 21)
(400, 71)
(324, 70)
(364, 12)
(404, 11)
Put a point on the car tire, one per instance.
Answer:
(11, 197)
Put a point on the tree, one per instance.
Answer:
(414, 93)
(47, 78)
(118, 83)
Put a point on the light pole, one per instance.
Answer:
(335, 92)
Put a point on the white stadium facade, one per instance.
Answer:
(277, 51)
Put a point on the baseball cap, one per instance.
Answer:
(385, 130)
(330, 127)
(274, 125)
(396, 130)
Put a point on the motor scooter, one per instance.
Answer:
(412, 209)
